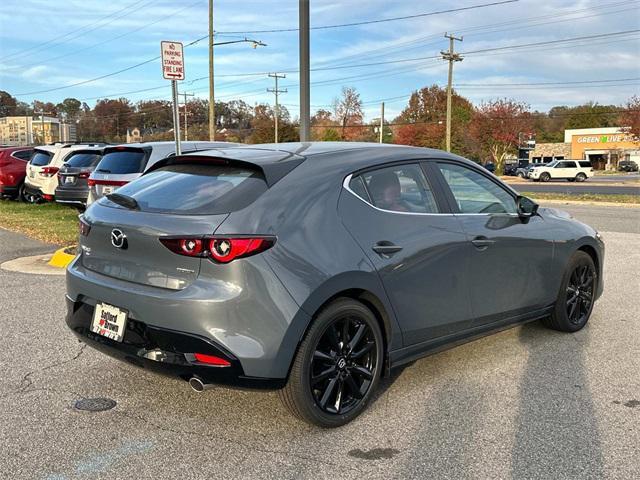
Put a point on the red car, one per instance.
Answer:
(13, 168)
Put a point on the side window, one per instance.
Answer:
(585, 164)
(23, 154)
(566, 165)
(401, 188)
(475, 193)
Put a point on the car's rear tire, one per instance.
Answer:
(581, 177)
(337, 367)
(577, 295)
(545, 177)
(520, 174)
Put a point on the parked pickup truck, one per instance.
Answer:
(571, 170)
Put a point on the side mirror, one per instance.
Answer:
(526, 207)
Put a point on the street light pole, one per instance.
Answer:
(305, 107)
(212, 105)
(381, 122)
(185, 95)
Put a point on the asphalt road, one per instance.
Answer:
(525, 403)
(573, 188)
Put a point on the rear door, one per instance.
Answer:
(39, 161)
(419, 250)
(118, 166)
(176, 202)
(510, 259)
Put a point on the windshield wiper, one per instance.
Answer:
(103, 170)
(124, 200)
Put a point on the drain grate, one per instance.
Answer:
(95, 404)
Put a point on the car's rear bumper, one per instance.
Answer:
(6, 190)
(165, 351)
(74, 197)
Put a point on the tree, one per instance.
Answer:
(7, 104)
(324, 127)
(69, 108)
(496, 126)
(630, 117)
(425, 116)
(113, 117)
(348, 111)
(48, 108)
(591, 115)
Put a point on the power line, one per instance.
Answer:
(83, 30)
(369, 22)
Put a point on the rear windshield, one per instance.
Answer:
(41, 158)
(123, 161)
(83, 159)
(195, 189)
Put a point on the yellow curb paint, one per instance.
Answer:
(60, 259)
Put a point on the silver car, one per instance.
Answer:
(317, 268)
(122, 164)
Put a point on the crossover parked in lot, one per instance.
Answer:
(73, 185)
(42, 170)
(13, 168)
(571, 170)
(123, 163)
(315, 268)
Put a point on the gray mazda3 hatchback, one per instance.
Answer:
(316, 268)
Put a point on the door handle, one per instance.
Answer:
(386, 248)
(482, 243)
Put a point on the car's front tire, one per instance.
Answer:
(545, 177)
(337, 367)
(577, 295)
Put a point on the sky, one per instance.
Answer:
(46, 45)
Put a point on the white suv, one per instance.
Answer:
(41, 180)
(571, 170)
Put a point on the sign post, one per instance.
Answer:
(173, 69)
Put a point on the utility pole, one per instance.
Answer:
(381, 122)
(212, 104)
(276, 91)
(451, 57)
(42, 113)
(185, 95)
(305, 107)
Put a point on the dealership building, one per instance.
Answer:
(604, 147)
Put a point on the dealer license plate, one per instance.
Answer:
(109, 321)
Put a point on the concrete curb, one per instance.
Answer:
(36, 265)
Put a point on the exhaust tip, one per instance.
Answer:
(196, 384)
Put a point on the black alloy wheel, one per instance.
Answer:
(343, 365)
(580, 294)
(577, 295)
(337, 367)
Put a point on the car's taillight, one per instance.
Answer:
(219, 249)
(49, 171)
(84, 227)
(111, 183)
(191, 247)
(225, 250)
(84, 175)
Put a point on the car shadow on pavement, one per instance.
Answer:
(556, 428)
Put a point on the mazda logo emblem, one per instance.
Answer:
(118, 239)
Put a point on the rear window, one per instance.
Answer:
(83, 159)
(41, 158)
(123, 161)
(195, 189)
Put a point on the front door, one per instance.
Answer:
(509, 256)
(419, 251)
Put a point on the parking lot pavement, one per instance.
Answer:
(525, 403)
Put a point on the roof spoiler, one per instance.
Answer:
(272, 171)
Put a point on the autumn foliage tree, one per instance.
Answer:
(423, 120)
(496, 126)
(630, 117)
